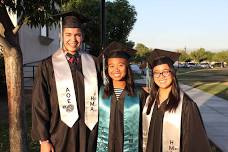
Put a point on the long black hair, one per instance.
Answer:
(130, 86)
(174, 95)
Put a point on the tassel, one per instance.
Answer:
(148, 78)
(105, 80)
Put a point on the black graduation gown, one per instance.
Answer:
(46, 121)
(193, 134)
(116, 125)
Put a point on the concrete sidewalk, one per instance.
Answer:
(214, 111)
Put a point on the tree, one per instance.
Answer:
(199, 55)
(221, 57)
(184, 57)
(142, 52)
(120, 18)
(34, 13)
(209, 56)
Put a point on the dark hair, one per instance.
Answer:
(174, 95)
(130, 86)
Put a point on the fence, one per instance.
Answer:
(29, 74)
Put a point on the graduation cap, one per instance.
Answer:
(118, 50)
(71, 19)
(158, 53)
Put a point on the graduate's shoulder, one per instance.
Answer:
(44, 64)
(189, 105)
(91, 55)
(143, 93)
(46, 61)
(187, 99)
(95, 59)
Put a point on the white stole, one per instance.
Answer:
(91, 90)
(66, 92)
(171, 127)
(146, 122)
(65, 88)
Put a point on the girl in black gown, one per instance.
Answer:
(161, 131)
(119, 105)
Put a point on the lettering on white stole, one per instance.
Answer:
(68, 107)
(172, 147)
(92, 102)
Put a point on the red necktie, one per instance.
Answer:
(73, 58)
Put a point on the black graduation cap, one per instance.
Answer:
(71, 19)
(118, 50)
(158, 53)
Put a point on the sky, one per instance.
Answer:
(179, 24)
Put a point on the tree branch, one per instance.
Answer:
(22, 21)
(5, 19)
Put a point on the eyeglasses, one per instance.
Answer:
(165, 73)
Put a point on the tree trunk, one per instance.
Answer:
(14, 81)
(16, 106)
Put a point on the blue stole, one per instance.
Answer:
(131, 123)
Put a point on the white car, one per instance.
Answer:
(191, 65)
(135, 68)
(205, 65)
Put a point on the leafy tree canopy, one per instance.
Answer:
(199, 55)
(36, 12)
(120, 18)
(184, 57)
(221, 56)
(142, 52)
(141, 49)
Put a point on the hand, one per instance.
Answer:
(46, 147)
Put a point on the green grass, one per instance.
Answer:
(4, 142)
(214, 81)
(4, 132)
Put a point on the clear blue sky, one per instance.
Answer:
(175, 24)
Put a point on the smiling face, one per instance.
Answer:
(72, 39)
(117, 68)
(163, 76)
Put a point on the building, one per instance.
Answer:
(36, 44)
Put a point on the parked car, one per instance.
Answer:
(183, 65)
(135, 68)
(191, 65)
(205, 65)
(219, 64)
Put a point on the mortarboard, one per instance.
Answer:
(118, 50)
(71, 19)
(158, 53)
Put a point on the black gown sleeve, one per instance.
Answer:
(40, 105)
(143, 95)
(194, 137)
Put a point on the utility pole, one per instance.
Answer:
(103, 24)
